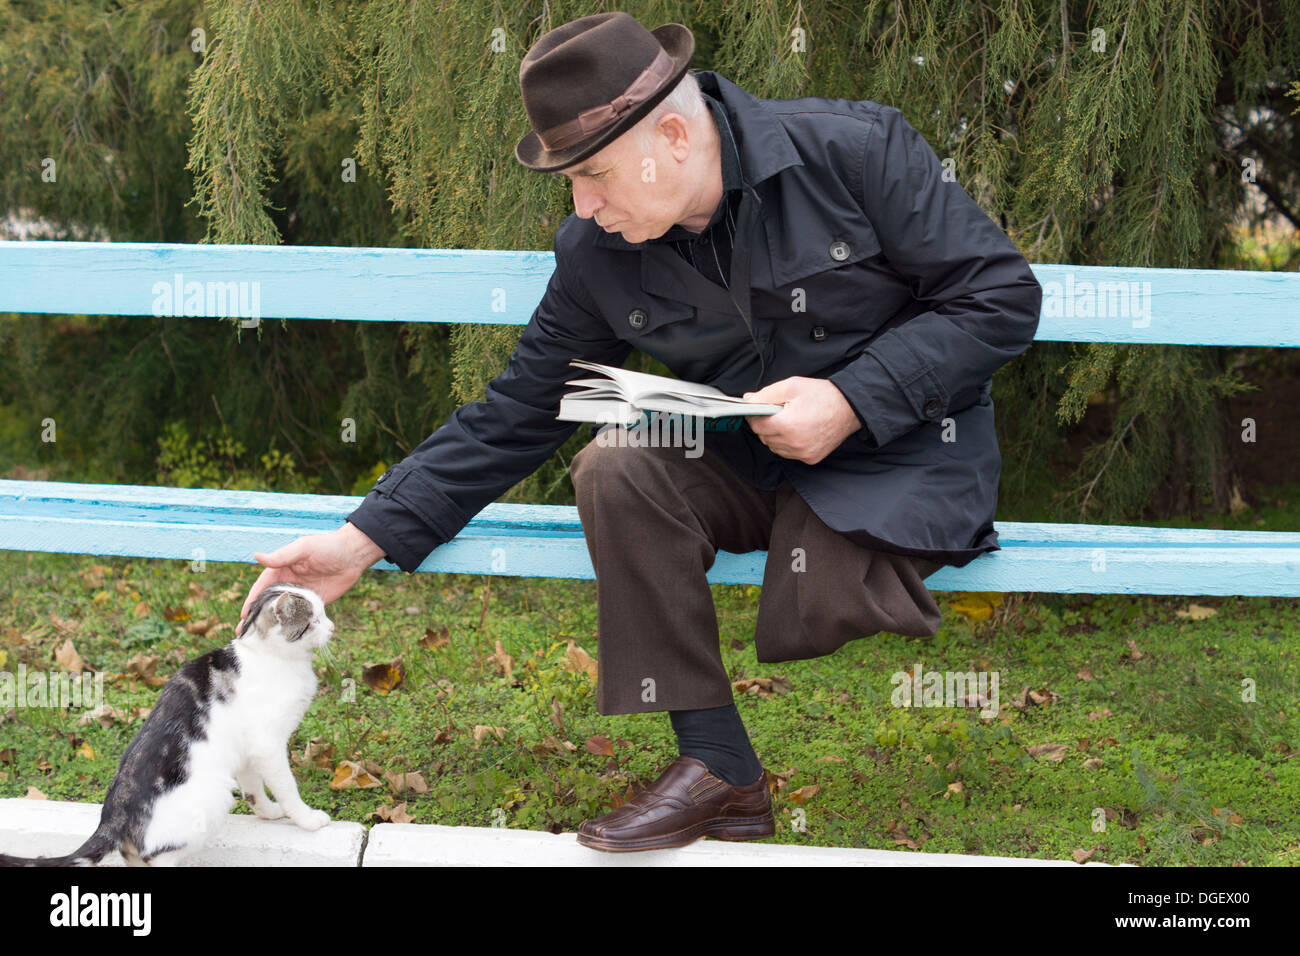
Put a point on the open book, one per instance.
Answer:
(622, 396)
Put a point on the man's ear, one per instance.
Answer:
(674, 128)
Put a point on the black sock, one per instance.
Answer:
(718, 738)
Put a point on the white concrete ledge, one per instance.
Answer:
(421, 844)
(55, 827)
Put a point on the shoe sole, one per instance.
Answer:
(736, 830)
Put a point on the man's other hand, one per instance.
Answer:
(816, 418)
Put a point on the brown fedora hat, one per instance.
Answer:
(589, 80)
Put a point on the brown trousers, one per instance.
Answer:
(654, 520)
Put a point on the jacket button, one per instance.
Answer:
(839, 250)
(932, 408)
(818, 333)
(380, 479)
(636, 318)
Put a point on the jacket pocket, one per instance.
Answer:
(817, 245)
(638, 320)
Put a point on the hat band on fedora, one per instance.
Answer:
(598, 117)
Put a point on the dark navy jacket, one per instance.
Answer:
(911, 298)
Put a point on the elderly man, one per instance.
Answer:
(812, 253)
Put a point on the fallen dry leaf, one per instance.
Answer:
(34, 794)
(1133, 651)
(1197, 612)
(764, 686)
(386, 814)
(93, 576)
(202, 627)
(600, 746)
(1028, 697)
(1054, 752)
(402, 782)
(351, 775)
(1093, 763)
(776, 782)
(578, 660)
(1099, 714)
(317, 753)
(1083, 856)
(1086, 674)
(554, 745)
(830, 758)
(69, 659)
(901, 837)
(105, 714)
(505, 664)
(483, 731)
(435, 638)
(976, 605)
(805, 793)
(382, 678)
(144, 666)
(85, 750)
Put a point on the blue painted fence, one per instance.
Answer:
(1080, 303)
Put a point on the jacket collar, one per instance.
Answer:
(765, 147)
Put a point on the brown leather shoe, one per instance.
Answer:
(685, 803)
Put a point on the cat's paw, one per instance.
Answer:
(312, 819)
(268, 810)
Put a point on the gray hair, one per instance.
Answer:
(686, 98)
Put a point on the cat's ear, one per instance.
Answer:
(293, 613)
(254, 624)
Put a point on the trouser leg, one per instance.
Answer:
(654, 521)
(821, 589)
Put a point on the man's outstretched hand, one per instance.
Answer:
(816, 418)
(329, 564)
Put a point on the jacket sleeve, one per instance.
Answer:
(486, 447)
(984, 300)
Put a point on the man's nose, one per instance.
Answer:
(586, 201)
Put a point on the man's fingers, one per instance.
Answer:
(775, 394)
(278, 558)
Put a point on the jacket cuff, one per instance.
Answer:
(892, 390)
(379, 517)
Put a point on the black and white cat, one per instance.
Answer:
(223, 720)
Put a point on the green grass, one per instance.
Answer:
(1184, 772)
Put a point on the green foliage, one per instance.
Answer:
(220, 461)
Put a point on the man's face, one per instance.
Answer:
(629, 190)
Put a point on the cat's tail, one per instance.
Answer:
(101, 843)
